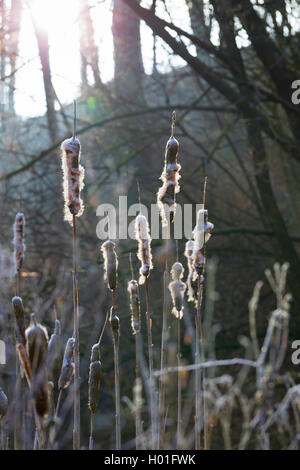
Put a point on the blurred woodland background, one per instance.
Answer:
(228, 75)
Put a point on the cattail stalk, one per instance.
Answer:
(94, 383)
(179, 393)
(166, 199)
(19, 249)
(133, 289)
(73, 175)
(115, 329)
(177, 289)
(201, 235)
(3, 411)
(163, 355)
(145, 256)
(76, 430)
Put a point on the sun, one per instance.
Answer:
(49, 15)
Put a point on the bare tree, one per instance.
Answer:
(88, 49)
(14, 32)
(247, 91)
(127, 52)
(43, 47)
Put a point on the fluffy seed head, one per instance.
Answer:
(18, 241)
(3, 404)
(110, 264)
(201, 234)
(170, 177)
(177, 289)
(19, 320)
(54, 346)
(114, 324)
(67, 369)
(37, 352)
(73, 175)
(142, 235)
(133, 289)
(94, 378)
(188, 253)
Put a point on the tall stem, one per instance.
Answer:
(117, 394)
(20, 410)
(76, 429)
(163, 360)
(179, 413)
(137, 417)
(91, 441)
(150, 356)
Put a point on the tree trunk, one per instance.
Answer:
(88, 49)
(14, 32)
(127, 53)
(43, 47)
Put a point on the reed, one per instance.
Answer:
(73, 175)
(201, 236)
(3, 411)
(115, 329)
(94, 383)
(177, 290)
(19, 250)
(135, 308)
(166, 202)
(142, 235)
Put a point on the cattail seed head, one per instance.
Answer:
(3, 404)
(114, 324)
(110, 264)
(188, 253)
(177, 289)
(133, 289)
(201, 234)
(94, 378)
(67, 368)
(73, 174)
(54, 346)
(18, 241)
(19, 320)
(170, 177)
(37, 351)
(142, 235)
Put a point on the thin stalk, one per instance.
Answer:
(117, 394)
(150, 357)
(91, 440)
(163, 356)
(20, 412)
(76, 429)
(137, 417)
(58, 403)
(200, 374)
(179, 411)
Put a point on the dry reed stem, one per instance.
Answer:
(20, 421)
(115, 328)
(76, 430)
(163, 357)
(179, 410)
(150, 357)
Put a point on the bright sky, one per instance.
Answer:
(59, 17)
